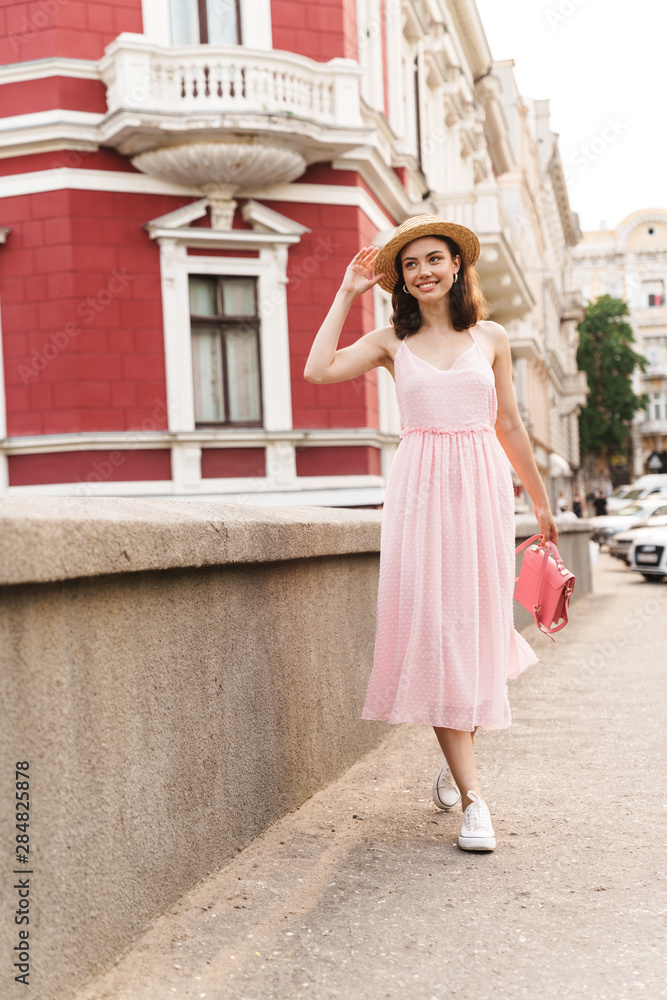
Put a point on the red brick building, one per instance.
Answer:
(182, 185)
(160, 282)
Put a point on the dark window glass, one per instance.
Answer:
(205, 22)
(225, 351)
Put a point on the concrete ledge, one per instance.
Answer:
(61, 538)
(180, 675)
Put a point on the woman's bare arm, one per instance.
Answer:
(326, 363)
(514, 438)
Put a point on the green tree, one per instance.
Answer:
(606, 356)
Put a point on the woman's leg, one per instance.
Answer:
(458, 747)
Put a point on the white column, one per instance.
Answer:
(156, 21)
(256, 30)
(186, 467)
(395, 82)
(275, 360)
(177, 340)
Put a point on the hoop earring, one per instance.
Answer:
(456, 276)
(405, 289)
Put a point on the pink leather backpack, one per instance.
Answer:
(544, 585)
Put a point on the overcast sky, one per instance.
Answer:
(601, 64)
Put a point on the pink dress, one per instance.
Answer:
(445, 641)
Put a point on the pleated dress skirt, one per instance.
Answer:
(446, 644)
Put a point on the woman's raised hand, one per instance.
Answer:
(357, 278)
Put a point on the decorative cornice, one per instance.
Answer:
(227, 438)
(181, 216)
(270, 227)
(569, 221)
(80, 179)
(471, 35)
(382, 180)
(488, 92)
(259, 215)
(42, 69)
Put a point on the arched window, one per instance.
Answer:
(205, 22)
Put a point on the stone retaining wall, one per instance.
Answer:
(179, 674)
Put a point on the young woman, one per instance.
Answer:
(445, 642)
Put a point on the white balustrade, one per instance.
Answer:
(144, 77)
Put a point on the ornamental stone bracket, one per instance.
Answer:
(223, 169)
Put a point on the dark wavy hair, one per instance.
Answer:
(466, 299)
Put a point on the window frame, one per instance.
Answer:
(202, 10)
(652, 289)
(220, 321)
(254, 23)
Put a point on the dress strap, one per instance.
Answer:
(470, 332)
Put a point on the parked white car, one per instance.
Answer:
(619, 544)
(616, 500)
(605, 526)
(648, 554)
(645, 486)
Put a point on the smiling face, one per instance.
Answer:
(428, 267)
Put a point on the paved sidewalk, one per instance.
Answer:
(362, 893)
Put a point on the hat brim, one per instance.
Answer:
(413, 229)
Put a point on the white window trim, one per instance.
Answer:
(255, 22)
(269, 268)
(369, 42)
(272, 238)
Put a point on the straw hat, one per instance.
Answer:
(412, 229)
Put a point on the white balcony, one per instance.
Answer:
(525, 338)
(573, 308)
(159, 95)
(653, 427)
(574, 392)
(656, 370)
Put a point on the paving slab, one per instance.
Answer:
(363, 893)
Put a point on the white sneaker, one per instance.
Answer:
(446, 794)
(477, 833)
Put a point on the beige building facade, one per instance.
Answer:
(490, 161)
(630, 262)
